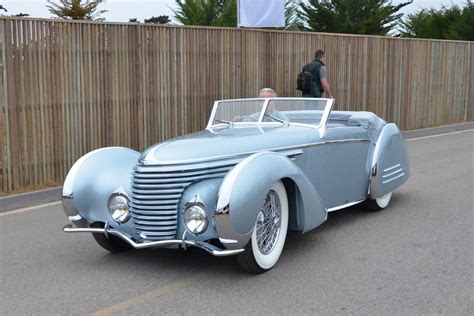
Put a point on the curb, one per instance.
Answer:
(22, 200)
(446, 129)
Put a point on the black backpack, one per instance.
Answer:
(304, 78)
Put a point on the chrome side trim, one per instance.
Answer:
(392, 173)
(155, 244)
(244, 154)
(394, 178)
(392, 167)
(332, 209)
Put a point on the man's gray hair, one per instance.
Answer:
(269, 90)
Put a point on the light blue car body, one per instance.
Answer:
(229, 168)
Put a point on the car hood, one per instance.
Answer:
(226, 141)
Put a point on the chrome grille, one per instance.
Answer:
(157, 190)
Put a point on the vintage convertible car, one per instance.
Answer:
(261, 167)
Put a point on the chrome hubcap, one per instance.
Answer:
(268, 223)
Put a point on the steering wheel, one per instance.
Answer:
(248, 118)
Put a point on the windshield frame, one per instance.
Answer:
(320, 127)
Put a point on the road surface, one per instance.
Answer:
(416, 257)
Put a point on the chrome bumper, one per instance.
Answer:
(213, 250)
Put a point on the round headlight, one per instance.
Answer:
(195, 219)
(118, 208)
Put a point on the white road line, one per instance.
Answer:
(31, 208)
(439, 135)
(147, 297)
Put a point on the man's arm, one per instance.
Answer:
(324, 82)
(326, 88)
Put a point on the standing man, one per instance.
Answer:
(318, 83)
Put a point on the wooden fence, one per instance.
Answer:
(70, 87)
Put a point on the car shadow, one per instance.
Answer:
(196, 260)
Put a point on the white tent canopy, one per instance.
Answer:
(261, 13)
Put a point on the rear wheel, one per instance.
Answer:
(111, 243)
(379, 203)
(268, 237)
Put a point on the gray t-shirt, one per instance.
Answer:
(322, 72)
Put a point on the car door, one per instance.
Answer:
(337, 165)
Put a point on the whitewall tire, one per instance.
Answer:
(379, 203)
(269, 235)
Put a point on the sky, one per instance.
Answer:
(123, 10)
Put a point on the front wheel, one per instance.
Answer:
(111, 243)
(379, 203)
(268, 237)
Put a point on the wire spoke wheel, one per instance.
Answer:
(269, 234)
(268, 223)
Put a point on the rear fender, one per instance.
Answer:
(390, 167)
(243, 191)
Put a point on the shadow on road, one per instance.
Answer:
(195, 260)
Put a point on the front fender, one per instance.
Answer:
(243, 191)
(91, 181)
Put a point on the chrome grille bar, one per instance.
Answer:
(156, 193)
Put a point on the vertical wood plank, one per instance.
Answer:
(70, 87)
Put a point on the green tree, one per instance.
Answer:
(446, 23)
(133, 20)
(292, 16)
(162, 19)
(375, 17)
(76, 9)
(224, 13)
(207, 12)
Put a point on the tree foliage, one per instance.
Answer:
(224, 13)
(207, 12)
(292, 16)
(162, 19)
(76, 9)
(446, 23)
(374, 17)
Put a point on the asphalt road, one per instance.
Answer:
(416, 257)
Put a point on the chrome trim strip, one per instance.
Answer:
(392, 167)
(75, 218)
(228, 241)
(161, 243)
(151, 153)
(244, 154)
(332, 209)
(70, 229)
(394, 178)
(392, 173)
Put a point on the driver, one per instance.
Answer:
(267, 93)
(270, 93)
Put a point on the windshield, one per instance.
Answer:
(280, 110)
